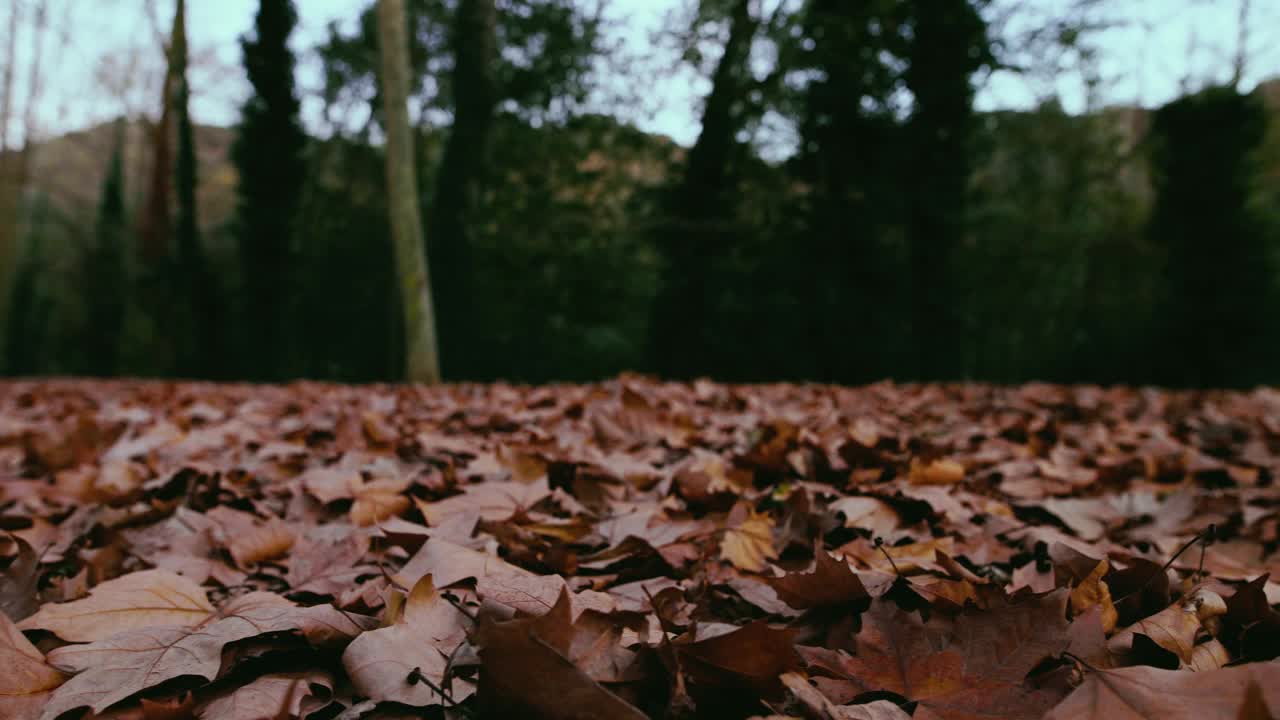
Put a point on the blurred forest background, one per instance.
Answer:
(897, 233)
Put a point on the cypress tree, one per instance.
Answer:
(947, 43)
(268, 153)
(104, 273)
(1217, 275)
(197, 331)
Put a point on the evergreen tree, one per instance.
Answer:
(104, 271)
(1215, 313)
(947, 44)
(268, 153)
(697, 225)
(461, 178)
(197, 311)
(850, 156)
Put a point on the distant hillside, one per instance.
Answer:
(69, 169)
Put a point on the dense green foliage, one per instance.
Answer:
(905, 236)
(268, 155)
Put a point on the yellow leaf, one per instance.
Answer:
(748, 541)
(938, 472)
(1093, 591)
(137, 600)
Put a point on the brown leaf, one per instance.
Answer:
(823, 709)
(1173, 629)
(18, 582)
(492, 500)
(752, 656)
(138, 600)
(420, 644)
(526, 669)
(264, 542)
(271, 696)
(537, 594)
(447, 564)
(1142, 693)
(26, 680)
(977, 672)
(867, 513)
(327, 560)
(831, 583)
(132, 660)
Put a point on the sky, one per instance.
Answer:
(1157, 48)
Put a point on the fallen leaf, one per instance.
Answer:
(978, 673)
(447, 564)
(867, 513)
(936, 472)
(137, 600)
(130, 661)
(523, 674)
(1093, 592)
(748, 539)
(27, 679)
(1142, 693)
(418, 644)
(271, 696)
(832, 583)
(18, 582)
(823, 709)
(328, 559)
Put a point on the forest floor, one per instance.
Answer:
(633, 549)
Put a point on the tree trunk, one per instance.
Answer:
(421, 360)
(698, 210)
(8, 188)
(461, 177)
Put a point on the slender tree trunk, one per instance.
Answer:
(198, 336)
(154, 227)
(460, 180)
(421, 360)
(8, 188)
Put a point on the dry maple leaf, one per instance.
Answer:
(448, 563)
(752, 656)
(328, 559)
(1145, 693)
(976, 672)
(537, 594)
(868, 513)
(26, 681)
(1173, 628)
(128, 662)
(19, 581)
(528, 667)
(419, 644)
(271, 696)
(491, 500)
(832, 583)
(748, 539)
(823, 709)
(137, 600)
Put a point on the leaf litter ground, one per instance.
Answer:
(634, 549)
